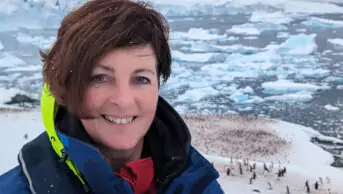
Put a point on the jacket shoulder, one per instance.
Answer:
(13, 182)
(213, 188)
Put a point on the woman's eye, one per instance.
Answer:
(98, 78)
(142, 80)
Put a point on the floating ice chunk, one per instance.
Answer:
(243, 109)
(198, 34)
(177, 81)
(323, 23)
(8, 7)
(331, 108)
(254, 99)
(230, 112)
(255, 29)
(1, 46)
(251, 37)
(310, 7)
(300, 44)
(334, 79)
(239, 97)
(181, 109)
(287, 86)
(194, 95)
(9, 60)
(244, 29)
(327, 52)
(191, 57)
(270, 17)
(24, 68)
(229, 71)
(319, 72)
(248, 90)
(225, 89)
(301, 96)
(335, 41)
(301, 30)
(39, 41)
(232, 38)
(283, 35)
(236, 48)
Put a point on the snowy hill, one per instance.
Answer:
(226, 141)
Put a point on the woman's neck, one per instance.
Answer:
(118, 158)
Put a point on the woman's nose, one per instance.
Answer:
(122, 95)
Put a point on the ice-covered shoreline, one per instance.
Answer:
(283, 144)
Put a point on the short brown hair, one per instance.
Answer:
(90, 31)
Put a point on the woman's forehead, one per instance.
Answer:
(137, 57)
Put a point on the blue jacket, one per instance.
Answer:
(63, 159)
(13, 182)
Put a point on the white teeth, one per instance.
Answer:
(119, 120)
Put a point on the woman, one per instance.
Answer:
(107, 129)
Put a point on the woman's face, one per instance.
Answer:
(122, 97)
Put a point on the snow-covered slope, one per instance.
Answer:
(226, 141)
(229, 140)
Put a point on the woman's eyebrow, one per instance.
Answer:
(104, 67)
(142, 70)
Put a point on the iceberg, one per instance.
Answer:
(316, 22)
(287, 86)
(334, 41)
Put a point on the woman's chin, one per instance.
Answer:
(122, 144)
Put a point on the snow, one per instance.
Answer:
(336, 41)
(13, 128)
(331, 108)
(288, 86)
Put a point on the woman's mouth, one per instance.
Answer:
(119, 120)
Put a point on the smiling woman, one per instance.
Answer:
(107, 129)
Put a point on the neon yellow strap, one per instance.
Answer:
(48, 111)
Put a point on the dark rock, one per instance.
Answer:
(21, 99)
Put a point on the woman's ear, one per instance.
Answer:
(60, 100)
